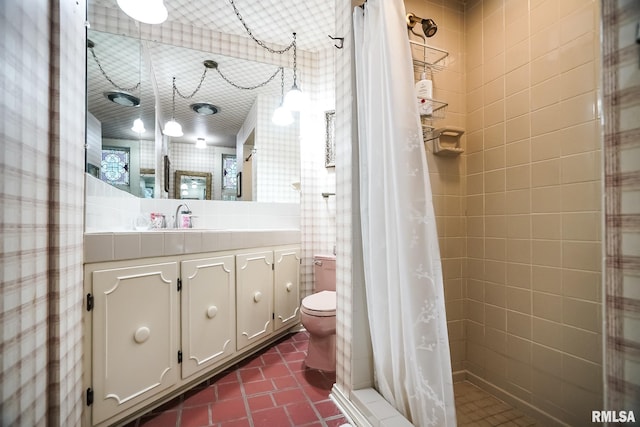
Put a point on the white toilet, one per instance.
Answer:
(318, 315)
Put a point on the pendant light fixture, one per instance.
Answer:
(173, 128)
(146, 11)
(282, 116)
(138, 126)
(294, 100)
(201, 143)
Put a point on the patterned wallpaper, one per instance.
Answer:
(41, 191)
(622, 204)
(277, 156)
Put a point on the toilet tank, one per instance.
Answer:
(324, 273)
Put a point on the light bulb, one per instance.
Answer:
(200, 143)
(138, 126)
(282, 116)
(172, 128)
(147, 11)
(184, 186)
(294, 100)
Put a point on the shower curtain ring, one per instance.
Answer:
(338, 38)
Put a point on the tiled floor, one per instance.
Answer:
(476, 407)
(272, 388)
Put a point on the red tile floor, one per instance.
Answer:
(270, 389)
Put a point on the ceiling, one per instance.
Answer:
(270, 20)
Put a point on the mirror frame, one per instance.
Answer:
(178, 179)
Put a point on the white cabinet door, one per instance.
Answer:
(254, 294)
(286, 287)
(208, 312)
(135, 336)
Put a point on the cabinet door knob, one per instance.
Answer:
(289, 287)
(141, 335)
(257, 296)
(212, 311)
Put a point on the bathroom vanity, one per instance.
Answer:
(157, 325)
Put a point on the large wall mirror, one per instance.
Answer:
(130, 78)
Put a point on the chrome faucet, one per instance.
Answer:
(179, 222)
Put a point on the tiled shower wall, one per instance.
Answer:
(41, 193)
(533, 297)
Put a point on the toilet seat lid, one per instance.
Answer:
(321, 302)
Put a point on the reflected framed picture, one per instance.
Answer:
(167, 170)
(330, 139)
(239, 185)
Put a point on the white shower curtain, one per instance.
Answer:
(402, 269)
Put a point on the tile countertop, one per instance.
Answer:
(117, 246)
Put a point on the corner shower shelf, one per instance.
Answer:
(432, 57)
(438, 109)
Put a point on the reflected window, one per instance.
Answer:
(114, 166)
(229, 177)
(229, 171)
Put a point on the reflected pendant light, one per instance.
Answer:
(173, 128)
(138, 126)
(282, 116)
(146, 11)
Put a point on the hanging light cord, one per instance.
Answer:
(173, 101)
(132, 89)
(204, 74)
(258, 41)
(295, 60)
(264, 83)
(282, 87)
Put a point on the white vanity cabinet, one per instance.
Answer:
(254, 291)
(208, 312)
(268, 293)
(135, 332)
(286, 287)
(156, 326)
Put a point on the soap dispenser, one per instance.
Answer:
(424, 92)
(424, 87)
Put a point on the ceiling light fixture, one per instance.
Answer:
(200, 143)
(146, 11)
(173, 128)
(204, 108)
(282, 116)
(122, 98)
